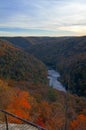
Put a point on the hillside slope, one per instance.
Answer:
(47, 110)
(18, 65)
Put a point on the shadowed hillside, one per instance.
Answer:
(69, 57)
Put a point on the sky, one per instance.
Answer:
(42, 17)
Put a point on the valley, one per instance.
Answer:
(26, 80)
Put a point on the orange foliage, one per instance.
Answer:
(19, 105)
(79, 123)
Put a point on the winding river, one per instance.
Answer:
(53, 80)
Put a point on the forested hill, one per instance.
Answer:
(69, 57)
(19, 65)
(66, 47)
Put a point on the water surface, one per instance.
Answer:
(53, 80)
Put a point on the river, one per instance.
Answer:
(53, 80)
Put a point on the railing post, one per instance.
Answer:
(6, 122)
(6, 114)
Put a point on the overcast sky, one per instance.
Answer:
(42, 17)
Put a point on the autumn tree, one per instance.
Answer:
(19, 105)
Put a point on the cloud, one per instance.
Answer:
(78, 30)
(52, 15)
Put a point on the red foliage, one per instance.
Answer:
(19, 105)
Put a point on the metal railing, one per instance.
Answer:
(5, 124)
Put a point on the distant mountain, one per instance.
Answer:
(19, 65)
(26, 42)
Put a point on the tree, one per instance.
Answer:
(19, 105)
